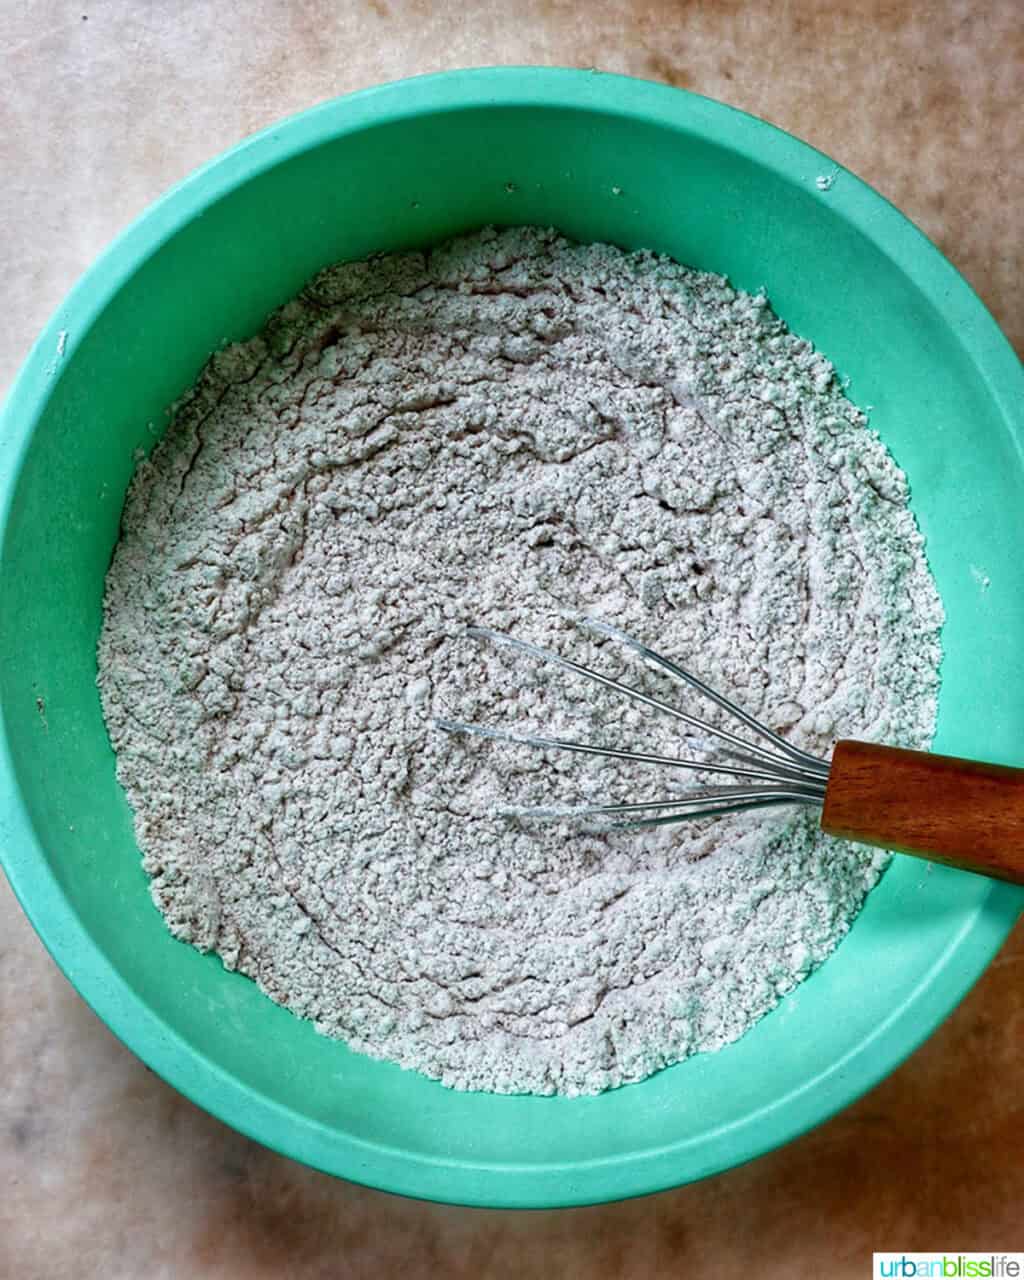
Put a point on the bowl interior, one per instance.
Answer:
(602, 159)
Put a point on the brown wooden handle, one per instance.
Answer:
(960, 812)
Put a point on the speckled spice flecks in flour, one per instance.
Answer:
(516, 431)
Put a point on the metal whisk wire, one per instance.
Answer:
(775, 774)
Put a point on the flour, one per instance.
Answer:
(516, 431)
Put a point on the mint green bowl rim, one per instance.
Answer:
(64, 934)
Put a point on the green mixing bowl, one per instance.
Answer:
(602, 158)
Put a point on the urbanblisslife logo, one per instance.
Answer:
(949, 1266)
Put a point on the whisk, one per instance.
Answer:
(960, 812)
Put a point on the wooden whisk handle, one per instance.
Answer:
(960, 812)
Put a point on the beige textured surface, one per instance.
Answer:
(104, 1171)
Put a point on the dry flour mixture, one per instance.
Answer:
(517, 431)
